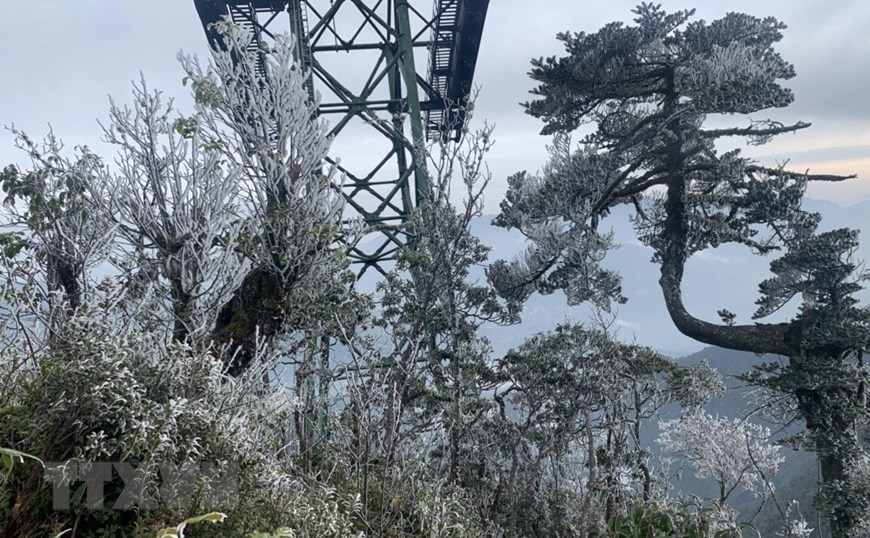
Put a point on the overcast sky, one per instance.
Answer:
(62, 58)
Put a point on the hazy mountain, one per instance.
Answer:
(798, 475)
(724, 277)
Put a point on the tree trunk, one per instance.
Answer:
(830, 428)
(827, 422)
(254, 310)
(839, 518)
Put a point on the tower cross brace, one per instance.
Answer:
(363, 58)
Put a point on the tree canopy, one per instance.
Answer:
(648, 90)
(645, 95)
(188, 312)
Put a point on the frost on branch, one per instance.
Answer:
(266, 130)
(648, 93)
(48, 213)
(732, 452)
(108, 388)
(173, 201)
(556, 211)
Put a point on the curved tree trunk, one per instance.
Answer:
(827, 422)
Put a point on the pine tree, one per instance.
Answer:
(647, 91)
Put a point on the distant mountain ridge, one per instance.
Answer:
(797, 479)
(724, 277)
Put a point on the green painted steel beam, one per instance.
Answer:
(393, 99)
(409, 74)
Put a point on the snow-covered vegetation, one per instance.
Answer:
(188, 304)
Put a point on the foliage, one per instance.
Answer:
(133, 367)
(320, 510)
(688, 519)
(9, 457)
(178, 530)
(443, 361)
(734, 453)
(645, 93)
(105, 390)
(191, 304)
(577, 395)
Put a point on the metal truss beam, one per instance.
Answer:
(364, 59)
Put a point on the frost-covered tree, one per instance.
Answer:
(646, 91)
(574, 402)
(544, 441)
(412, 390)
(438, 311)
(146, 304)
(172, 200)
(230, 209)
(732, 452)
(48, 213)
(266, 129)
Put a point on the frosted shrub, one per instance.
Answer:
(795, 526)
(446, 512)
(221, 235)
(320, 511)
(732, 452)
(103, 390)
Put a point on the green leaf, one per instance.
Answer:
(9, 456)
(178, 531)
(212, 517)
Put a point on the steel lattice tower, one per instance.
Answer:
(363, 57)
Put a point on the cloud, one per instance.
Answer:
(845, 192)
(712, 257)
(87, 49)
